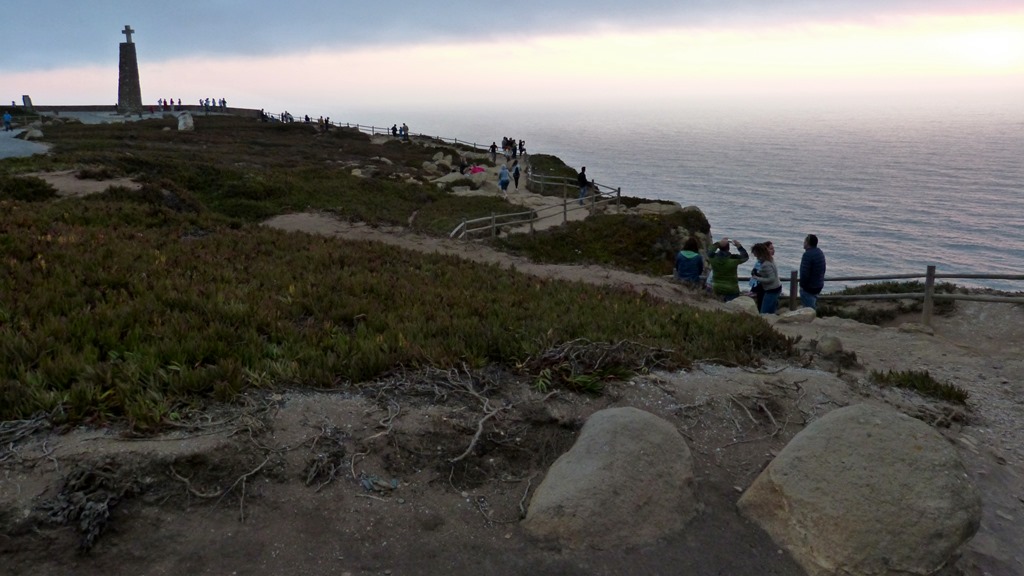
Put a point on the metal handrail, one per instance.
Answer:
(494, 221)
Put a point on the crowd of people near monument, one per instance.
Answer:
(168, 104)
(207, 104)
(716, 270)
(213, 104)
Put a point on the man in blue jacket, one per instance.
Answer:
(812, 272)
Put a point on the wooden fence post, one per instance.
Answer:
(794, 286)
(494, 226)
(929, 302)
(618, 197)
(565, 210)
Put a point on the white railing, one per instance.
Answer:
(495, 224)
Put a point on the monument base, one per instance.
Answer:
(129, 93)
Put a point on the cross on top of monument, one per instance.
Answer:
(128, 32)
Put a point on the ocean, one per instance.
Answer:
(888, 189)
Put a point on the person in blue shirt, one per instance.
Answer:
(689, 266)
(7, 122)
(503, 179)
(812, 272)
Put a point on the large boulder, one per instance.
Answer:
(32, 134)
(627, 481)
(185, 122)
(830, 345)
(480, 178)
(798, 316)
(657, 208)
(744, 304)
(869, 491)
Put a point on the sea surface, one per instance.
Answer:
(887, 189)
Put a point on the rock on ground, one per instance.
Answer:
(626, 481)
(866, 490)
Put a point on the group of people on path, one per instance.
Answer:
(402, 132)
(765, 284)
(510, 148)
(207, 104)
(504, 175)
(166, 104)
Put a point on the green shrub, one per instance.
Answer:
(26, 189)
(921, 382)
(551, 167)
(641, 244)
(463, 183)
(96, 173)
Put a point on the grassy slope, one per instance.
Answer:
(132, 306)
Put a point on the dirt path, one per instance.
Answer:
(317, 223)
(362, 481)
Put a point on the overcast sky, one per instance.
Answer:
(381, 51)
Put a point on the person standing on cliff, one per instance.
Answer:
(812, 272)
(515, 173)
(725, 281)
(689, 266)
(503, 179)
(756, 288)
(7, 121)
(581, 180)
(768, 275)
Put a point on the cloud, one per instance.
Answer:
(605, 65)
(65, 33)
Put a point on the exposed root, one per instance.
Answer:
(240, 482)
(192, 491)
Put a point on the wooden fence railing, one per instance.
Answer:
(928, 296)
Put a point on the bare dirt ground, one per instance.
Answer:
(430, 472)
(68, 184)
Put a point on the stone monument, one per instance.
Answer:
(129, 94)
